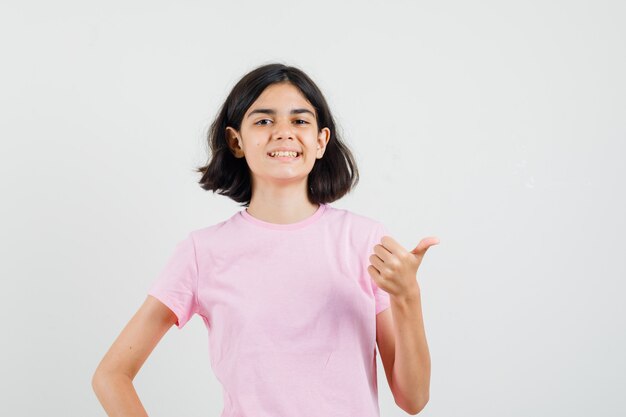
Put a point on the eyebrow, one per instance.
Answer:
(273, 112)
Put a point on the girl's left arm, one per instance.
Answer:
(411, 366)
(400, 330)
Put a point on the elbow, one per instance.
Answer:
(100, 379)
(411, 401)
(414, 407)
(97, 381)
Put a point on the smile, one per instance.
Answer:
(285, 156)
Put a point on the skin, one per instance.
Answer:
(112, 380)
(400, 332)
(279, 189)
(279, 195)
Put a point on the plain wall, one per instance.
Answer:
(498, 127)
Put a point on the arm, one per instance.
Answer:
(112, 380)
(404, 352)
(400, 330)
(411, 367)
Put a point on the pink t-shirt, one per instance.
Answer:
(289, 308)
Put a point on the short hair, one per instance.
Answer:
(332, 176)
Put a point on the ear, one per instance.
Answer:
(233, 138)
(322, 140)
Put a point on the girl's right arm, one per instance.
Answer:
(112, 380)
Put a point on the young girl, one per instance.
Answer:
(295, 293)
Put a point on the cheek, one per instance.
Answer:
(310, 161)
(256, 159)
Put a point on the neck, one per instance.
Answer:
(282, 205)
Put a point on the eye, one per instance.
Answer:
(263, 120)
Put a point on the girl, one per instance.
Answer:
(295, 293)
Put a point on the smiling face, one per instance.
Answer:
(281, 118)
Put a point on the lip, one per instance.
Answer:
(285, 150)
(285, 158)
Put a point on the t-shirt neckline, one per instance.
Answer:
(287, 226)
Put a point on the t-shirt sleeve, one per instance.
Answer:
(381, 297)
(176, 284)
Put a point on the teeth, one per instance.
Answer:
(280, 153)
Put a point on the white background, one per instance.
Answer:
(498, 127)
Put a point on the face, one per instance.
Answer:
(280, 118)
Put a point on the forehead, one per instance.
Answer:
(281, 95)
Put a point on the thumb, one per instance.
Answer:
(424, 245)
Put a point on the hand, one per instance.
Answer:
(394, 269)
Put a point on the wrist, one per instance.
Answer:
(410, 294)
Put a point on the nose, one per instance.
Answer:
(283, 129)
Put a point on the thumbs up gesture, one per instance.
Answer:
(394, 269)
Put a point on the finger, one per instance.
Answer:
(375, 274)
(376, 262)
(382, 252)
(391, 245)
(424, 245)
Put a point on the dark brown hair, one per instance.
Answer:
(332, 176)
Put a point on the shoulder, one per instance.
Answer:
(356, 222)
(351, 216)
(214, 232)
